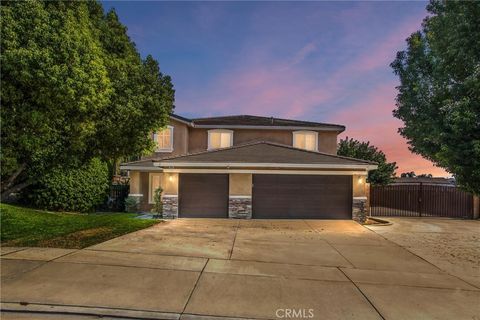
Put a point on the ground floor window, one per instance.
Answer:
(155, 181)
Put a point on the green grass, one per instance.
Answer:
(29, 227)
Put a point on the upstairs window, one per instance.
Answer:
(307, 140)
(164, 140)
(220, 139)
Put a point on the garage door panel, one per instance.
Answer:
(302, 197)
(203, 195)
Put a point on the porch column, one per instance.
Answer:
(360, 201)
(170, 195)
(240, 196)
(135, 190)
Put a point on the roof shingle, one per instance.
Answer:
(264, 152)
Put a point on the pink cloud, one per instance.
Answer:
(372, 120)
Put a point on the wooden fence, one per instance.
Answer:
(420, 200)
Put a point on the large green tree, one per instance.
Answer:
(73, 87)
(143, 97)
(53, 85)
(363, 150)
(439, 94)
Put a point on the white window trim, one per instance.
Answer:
(171, 140)
(150, 193)
(295, 133)
(209, 147)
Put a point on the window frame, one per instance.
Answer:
(155, 138)
(150, 180)
(296, 133)
(209, 144)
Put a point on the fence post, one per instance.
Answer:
(420, 199)
(476, 207)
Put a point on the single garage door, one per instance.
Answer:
(203, 195)
(302, 197)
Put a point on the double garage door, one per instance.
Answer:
(273, 196)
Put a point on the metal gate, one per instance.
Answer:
(420, 200)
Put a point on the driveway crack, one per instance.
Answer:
(234, 239)
(361, 292)
(194, 287)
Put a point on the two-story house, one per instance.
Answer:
(250, 167)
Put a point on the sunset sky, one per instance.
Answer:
(317, 61)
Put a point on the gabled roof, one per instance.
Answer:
(259, 122)
(263, 153)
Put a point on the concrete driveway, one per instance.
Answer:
(261, 269)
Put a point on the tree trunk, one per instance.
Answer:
(6, 195)
(7, 184)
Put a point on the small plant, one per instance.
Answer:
(157, 203)
(131, 204)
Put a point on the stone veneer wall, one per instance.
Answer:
(170, 207)
(240, 207)
(359, 209)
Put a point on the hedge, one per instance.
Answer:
(78, 189)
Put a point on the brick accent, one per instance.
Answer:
(359, 209)
(170, 207)
(240, 207)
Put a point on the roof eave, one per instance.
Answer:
(257, 127)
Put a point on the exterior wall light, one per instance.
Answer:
(170, 178)
(360, 180)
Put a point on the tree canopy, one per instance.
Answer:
(363, 150)
(439, 94)
(74, 87)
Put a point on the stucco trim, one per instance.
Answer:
(170, 196)
(360, 198)
(135, 195)
(166, 150)
(299, 132)
(253, 171)
(209, 142)
(240, 197)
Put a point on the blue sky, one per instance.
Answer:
(318, 61)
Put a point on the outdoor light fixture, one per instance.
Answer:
(360, 180)
(170, 178)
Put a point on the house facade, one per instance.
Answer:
(251, 167)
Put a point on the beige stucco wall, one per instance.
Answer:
(327, 142)
(240, 184)
(198, 138)
(170, 183)
(134, 182)
(359, 186)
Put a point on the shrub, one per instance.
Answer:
(157, 202)
(131, 204)
(77, 189)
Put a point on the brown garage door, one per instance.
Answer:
(203, 195)
(302, 197)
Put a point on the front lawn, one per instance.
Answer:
(29, 227)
